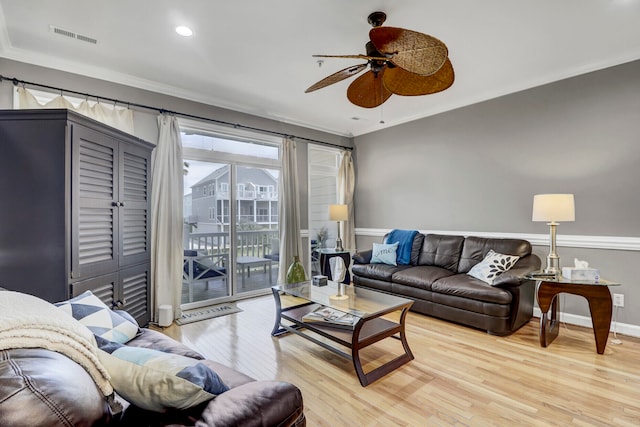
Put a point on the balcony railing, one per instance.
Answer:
(249, 195)
(262, 219)
(249, 243)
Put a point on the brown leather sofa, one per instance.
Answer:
(436, 280)
(43, 388)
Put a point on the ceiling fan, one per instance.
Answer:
(401, 62)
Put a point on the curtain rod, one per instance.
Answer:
(129, 104)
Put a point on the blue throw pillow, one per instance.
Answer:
(384, 253)
(405, 240)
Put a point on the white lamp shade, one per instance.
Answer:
(553, 207)
(338, 213)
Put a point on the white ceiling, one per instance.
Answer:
(254, 56)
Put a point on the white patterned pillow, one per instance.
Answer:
(493, 265)
(384, 253)
(155, 380)
(89, 310)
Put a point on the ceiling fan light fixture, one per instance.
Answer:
(415, 64)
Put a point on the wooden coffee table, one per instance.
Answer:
(366, 305)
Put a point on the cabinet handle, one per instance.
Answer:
(118, 304)
(115, 204)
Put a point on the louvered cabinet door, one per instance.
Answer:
(94, 196)
(104, 287)
(133, 211)
(134, 292)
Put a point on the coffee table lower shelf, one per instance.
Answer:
(365, 333)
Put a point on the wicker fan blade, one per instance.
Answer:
(368, 91)
(336, 77)
(415, 52)
(402, 82)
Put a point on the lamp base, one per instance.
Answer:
(553, 260)
(553, 264)
(339, 247)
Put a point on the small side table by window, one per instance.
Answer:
(597, 294)
(326, 254)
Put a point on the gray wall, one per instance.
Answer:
(145, 121)
(476, 169)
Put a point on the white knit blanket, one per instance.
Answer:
(30, 322)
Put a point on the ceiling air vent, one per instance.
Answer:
(71, 34)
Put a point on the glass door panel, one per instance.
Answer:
(207, 232)
(256, 208)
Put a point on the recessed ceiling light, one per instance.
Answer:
(184, 31)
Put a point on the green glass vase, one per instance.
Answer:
(296, 272)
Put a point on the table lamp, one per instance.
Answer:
(338, 213)
(551, 208)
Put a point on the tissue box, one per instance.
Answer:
(319, 280)
(573, 273)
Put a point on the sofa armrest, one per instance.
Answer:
(516, 275)
(363, 257)
(258, 403)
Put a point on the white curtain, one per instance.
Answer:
(289, 209)
(119, 118)
(166, 221)
(346, 185)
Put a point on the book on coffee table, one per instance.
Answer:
(330, 317)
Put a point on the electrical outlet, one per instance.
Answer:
(618, 300)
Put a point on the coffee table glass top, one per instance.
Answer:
(346, 298)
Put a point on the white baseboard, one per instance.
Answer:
(574, 319)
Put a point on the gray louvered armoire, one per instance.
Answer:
(74, 209)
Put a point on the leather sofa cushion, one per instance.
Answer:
(467, 309)
(476, 248)
(40, 387)
(441, 251)
(421, 276)
(382, 272)
(465, 286)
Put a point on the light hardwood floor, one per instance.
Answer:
(460, 376)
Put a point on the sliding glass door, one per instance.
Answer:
(230, 217)
(206, 232)
(256, 228)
